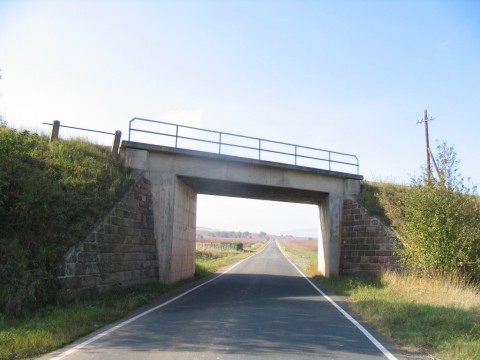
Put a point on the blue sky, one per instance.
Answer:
(350, 76)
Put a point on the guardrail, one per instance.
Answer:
(56, 131)
(267, 150)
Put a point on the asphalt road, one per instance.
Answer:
(263, 308)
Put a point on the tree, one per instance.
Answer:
(441, 227)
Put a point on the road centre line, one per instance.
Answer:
(370, 337)
(126, 322)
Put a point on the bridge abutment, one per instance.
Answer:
(178, 175)
(174, 210)
(329, 234)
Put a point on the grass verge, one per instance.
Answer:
(439, 316)
(52, 327)
(55, 326)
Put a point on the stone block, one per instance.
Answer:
(87, 257)
(88, 281)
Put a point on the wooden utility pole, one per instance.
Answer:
(425, 120)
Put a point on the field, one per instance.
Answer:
(210, 257)
(302, 252)
(247, 243)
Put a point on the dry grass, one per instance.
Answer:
(452, 292)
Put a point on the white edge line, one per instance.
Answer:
(126, 322)
(370, 337)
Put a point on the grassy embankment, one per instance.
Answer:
(436, 316)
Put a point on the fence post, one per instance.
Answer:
(55, 130)
(116, 143)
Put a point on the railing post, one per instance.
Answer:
(259, 149)
(130, 128)
(329, 161)
(176, 138)
(219, 143)
(55, 130)
(116, 143)
(295, 155)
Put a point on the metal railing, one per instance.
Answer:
(224, 140)
(56, 131)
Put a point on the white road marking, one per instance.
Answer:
(126, 322)
(370, 337)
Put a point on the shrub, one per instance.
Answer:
(441, 228)
(437, 218)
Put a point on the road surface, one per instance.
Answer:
(262, 308)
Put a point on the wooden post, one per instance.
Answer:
(116, 143)
(55, 130)
(429, 168)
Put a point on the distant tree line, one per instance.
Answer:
(231, 234)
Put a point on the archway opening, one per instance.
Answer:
(295, 226)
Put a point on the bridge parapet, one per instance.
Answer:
(187, 137)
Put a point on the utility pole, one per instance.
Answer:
(425, 120)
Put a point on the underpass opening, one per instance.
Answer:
(317, 202)
(224, 222)
(295, 225)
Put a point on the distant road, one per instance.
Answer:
(263, 308)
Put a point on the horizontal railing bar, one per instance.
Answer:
(260, 147)
(246, 147)
(153, 132)
(195, 139)
(83, 129)
(244, 136)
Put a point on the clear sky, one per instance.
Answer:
(350, 76)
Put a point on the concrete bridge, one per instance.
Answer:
(178, 175)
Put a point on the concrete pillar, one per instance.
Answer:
(329, 235)
(351, 189)
(174, 208)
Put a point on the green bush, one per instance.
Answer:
(437, 218)
(51, 194)
(441, 222)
